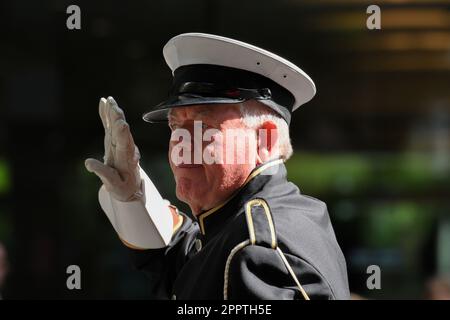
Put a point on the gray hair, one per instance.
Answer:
(255, 113)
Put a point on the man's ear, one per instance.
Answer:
(267, 142)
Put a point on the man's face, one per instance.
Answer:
(201, 183)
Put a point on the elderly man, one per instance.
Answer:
(254, 235)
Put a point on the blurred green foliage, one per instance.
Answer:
(5, 177)
(352, 173)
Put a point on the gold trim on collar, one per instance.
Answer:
(254, 173)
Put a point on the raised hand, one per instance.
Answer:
(119, 171)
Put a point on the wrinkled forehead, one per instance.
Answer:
(220, 112)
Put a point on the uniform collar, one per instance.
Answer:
(211, 221)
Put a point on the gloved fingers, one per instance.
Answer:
(122, 135)
(102, 113)
(114, 112)
(109, 176)
(108, 158)
(134, 161)
(125, 148)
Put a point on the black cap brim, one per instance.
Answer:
(159, 114)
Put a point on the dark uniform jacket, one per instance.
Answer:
(267, 241)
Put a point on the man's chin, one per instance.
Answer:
(184, 196)
(190, 199)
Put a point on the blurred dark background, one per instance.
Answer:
(374, 143)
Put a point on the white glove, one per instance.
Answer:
(133, 205)
(120, 170)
